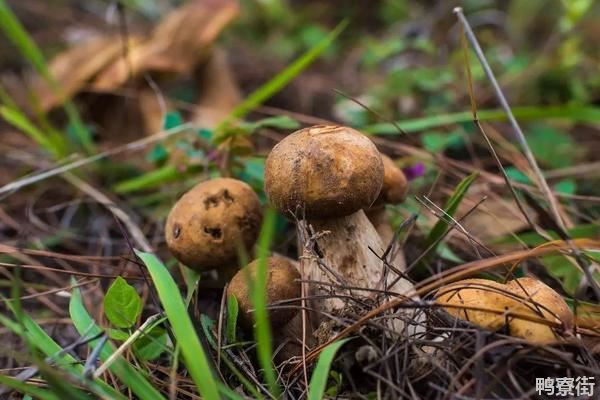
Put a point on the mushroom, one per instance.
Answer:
(328, 175)
(393, 191)
(283, 294)
(210, 223)
(495, 305)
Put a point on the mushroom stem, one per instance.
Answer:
(380, 219)
(345, 260)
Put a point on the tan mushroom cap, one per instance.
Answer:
(395, 184)
(325, 171)
(208, 224)
(536, 300)
(283, 283)
(544, 300)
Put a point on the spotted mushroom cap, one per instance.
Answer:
(208, 224)
(323, 172)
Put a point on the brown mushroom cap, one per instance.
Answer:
(208, 224)
(323, 171)
(283, 283)
(395, 185)
(524, 296)
(543, 300)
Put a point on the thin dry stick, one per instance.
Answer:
(134, 230)
(136, 145)
(511, 118)
(454, 274)
(140, 331)
(527, 150)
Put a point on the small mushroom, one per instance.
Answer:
(393, 191)
(211, 222)
(283, 283)
(328, 175)
(283, 297)
(500, 305)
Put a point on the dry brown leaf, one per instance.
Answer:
(177, 45)
(494, 218)
(75, 67)
(219, 93)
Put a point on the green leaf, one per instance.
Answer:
(206, 134)
(278, 122)
(171, 120)
(191, 278)
(122, 369)
(552, 147)
(193, 353)
(562, 269)
(117, 334)
(232, 315)
(122, 304)
(435, 142)
(450, 209)
(151, 345)
(254, 171)
(567, 186)
(517, 175)
(318, 380)
(158, 153)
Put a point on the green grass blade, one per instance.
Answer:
(18, 120)
(283, 78)
(584, 114)
(319, 377)
(27, 388)
(208, 329)
(121, 368)
(167, 173)
(194, 356)
(42, 341)
(450, 209)
(15, 32)
(232, 315)
(262, 327)
(229, 393)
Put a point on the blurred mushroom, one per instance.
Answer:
(393, 191)
(209, 224)
(328, 175)
(495, 305)
(283, 299)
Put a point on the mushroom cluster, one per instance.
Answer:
(527, 307)
(327, 177)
